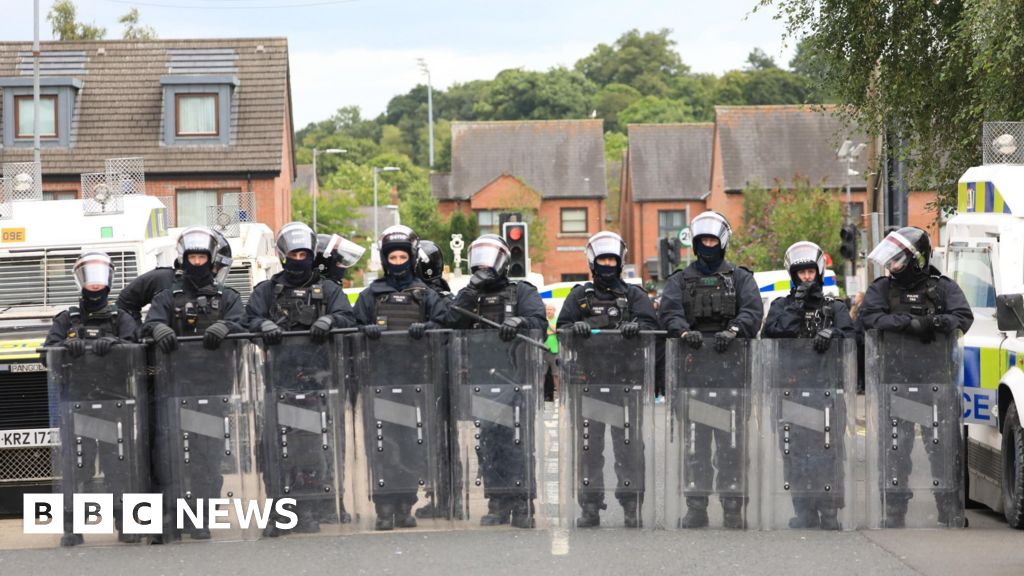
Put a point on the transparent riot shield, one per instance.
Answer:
(300, 424)
(403, 479)
(606, 432)
(808, 447)
(707, 464)
(914, 431)
(204, 449)
(496, 392)
(101, 413)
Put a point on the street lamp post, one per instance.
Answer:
(430, 109)
(849, 152)
(316, 185)
(376, 172)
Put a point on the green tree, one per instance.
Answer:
(808, 63)
(698, 92)
(654, 110)
(132, 29)
(611, 100)
(758, 60)
(775, 218)
(758, 87)
(926, 73)
(518, 94)
(648, 62)
(64, 22)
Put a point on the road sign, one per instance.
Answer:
(684, 237)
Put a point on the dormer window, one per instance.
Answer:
(196, 115)
(197, 109)
(24, 114)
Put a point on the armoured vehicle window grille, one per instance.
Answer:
(43, 278)
(239, 279)
(23, 400)
(21, 464)
(972, 271)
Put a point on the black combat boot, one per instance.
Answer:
(498, 510)
(696, 513)
(522, 512)
(631, 514)
(590, 516)
(830, 519)
(895, 514)
(385, 517)
(806, 515)
(404, 517)
(732, 513)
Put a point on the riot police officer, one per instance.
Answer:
(915, 299)
(430, 268)
(94, 323)
(807, 313)
(140, 291)
(398, 301)
(716, 299)
(607, 303)
(297, 298)
(335, 255)
(197, 303)
(517, 307)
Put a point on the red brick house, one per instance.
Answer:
(665, 183)
(553, 172)
(209, 117)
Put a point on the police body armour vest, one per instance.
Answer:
(298, 308)
(819, 318)
(194, 313)
(497, 306)
(604, 311)
(710, 302)
(923, 300)
(91, 325)
(399, 310)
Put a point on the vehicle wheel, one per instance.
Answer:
(1013, 468)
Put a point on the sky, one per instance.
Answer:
(363, 52)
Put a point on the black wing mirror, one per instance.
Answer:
(1010, 312)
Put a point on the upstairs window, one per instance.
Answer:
(196, 115)
(24, 114)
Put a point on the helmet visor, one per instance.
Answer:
(893, 253)
(805, 254)
(489, 254)
(295, 236)
(197, 240)
(605, 246)
(92, 271)
(711, 226)
(348, 252)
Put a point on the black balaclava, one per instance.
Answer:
(398, 276)
(609, 277)
(335, 272)
(95, 300)
(298, 272)
(200, 276)
(910, 276)
(708, 258)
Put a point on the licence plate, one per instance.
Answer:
(29, 438)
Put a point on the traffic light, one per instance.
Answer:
(848, 242)
(668, 256)
(517, 237)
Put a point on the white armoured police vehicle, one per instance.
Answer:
(985, 256)
(40, 242)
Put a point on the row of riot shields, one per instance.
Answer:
(450, 431)
(763, 435)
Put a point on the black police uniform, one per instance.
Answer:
(142, 289)
(890, 306)
(607, 309)
(727, 299)
(501, 460)
(297, 308)
(805, 463)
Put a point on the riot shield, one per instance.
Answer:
(707, 463)
(914, 430)
(300, 424)
(606, 428)
(401, 405)
(101, 413)
(496, 391)
(204, 449)
(807, 442)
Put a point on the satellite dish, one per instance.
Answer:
(1004, 144)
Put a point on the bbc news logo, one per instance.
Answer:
(143, 513)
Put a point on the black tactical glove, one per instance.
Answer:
(629, 329)
(214, 335)
(693, 338)
(75, 346)
(320, 331)
(509, 328)
(102, 346)
(417, 330)
(943, 324)
(372, 331)
(483, 278)
(801, 291)
(581, 329)
(922, 328)
(723, 339)
(271, 332)
(823, 340)
(165, 339)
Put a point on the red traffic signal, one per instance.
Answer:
(517, 237)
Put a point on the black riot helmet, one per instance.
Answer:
(605, 244)
(93, 268)
(905, 254)
(205, 240)
(295, 236)
(490, 250)
(334, 255)
(705, 225)
(431, 260)
(398, 237)
(802, 256)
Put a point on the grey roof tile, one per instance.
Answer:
(670, 161)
